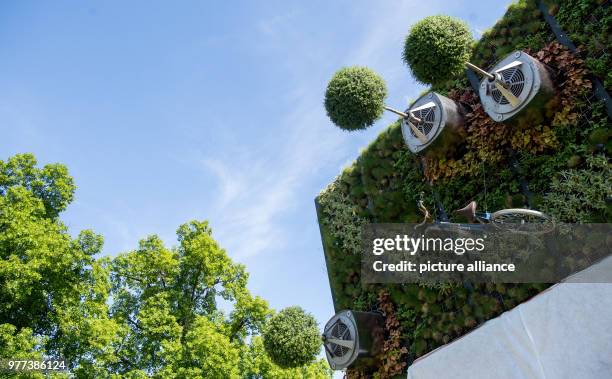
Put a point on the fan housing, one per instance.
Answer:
(353, 339)
(525, 77)
(441, 119)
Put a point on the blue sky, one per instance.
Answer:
(170, 111)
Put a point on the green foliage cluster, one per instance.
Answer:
(582, 195)
(292, 338)
(150, 312)
(561, 149)
(382, 183)
(47, 278)
(354, 98)
(371, 189)
(392, 357)
(343, 221)
(437, 48)
(521, 28)
(255, 364)
(589, 25)
(51, 184)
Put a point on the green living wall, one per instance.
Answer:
(562, 150)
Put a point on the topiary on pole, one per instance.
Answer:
(354, 98)
(292, 338)
(437, 49)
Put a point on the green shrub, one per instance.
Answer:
(292, 338)
(342, 220)
(581, 195)
(437, 48)
(588, 24)
(354, 98)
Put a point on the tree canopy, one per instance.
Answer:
(437, 48)
(354, 98)
(292, 337)
(150, 312)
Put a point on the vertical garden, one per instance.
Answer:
(554, 158)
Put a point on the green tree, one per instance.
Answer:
(256, 363)
(292, 337)
(354, 98)
(149, 313)
(437, 48)
(166, 301)
(52, 291)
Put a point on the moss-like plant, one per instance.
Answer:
(292, 338)
(437, 48)
(588, 23)
(354, 98)
(343, 222)
(581, 195)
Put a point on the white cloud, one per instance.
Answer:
(271, 26)
(250, 200)
(230, 184)
(255, 191)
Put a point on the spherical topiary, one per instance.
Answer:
(437, 48)
(292, 338)
(355, 97)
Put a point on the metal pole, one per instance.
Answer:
(501, 86)
(399, 113)
(481, 71)
(409, 116)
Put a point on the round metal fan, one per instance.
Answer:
(426, 114)
(515, 83)
(339, 340)
(432, 116)
(352, 338)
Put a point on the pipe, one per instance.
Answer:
(412, 118)
(481, 71)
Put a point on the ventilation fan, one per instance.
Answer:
(432, 117)
(353, 339)
(516, 82)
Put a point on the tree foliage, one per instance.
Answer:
(150, 312)
(52, 291)
(292, 337)
(436, 49)
(354, 98)
(256, 363)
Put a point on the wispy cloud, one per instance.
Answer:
(230, 184)
(254, 192)
(272, 25)
(249, 201)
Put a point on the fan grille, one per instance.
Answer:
(516, 79)
(428, 117)
(340, 331)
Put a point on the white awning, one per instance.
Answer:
(563, 332)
